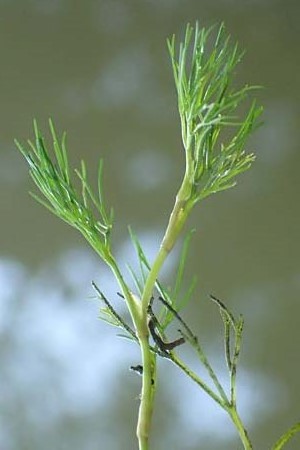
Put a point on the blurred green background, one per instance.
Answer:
(101, 70)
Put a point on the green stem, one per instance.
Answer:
(174, 358)
(240, 427)
(147, 394)
(210, 371)
(231, 409)
(131, 301)
(286, 437)
(177, 219)
(139, 318)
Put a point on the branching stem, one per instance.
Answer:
(176, 222)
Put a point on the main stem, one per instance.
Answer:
(240, 427)
(177, 219)
(148, 359)
(147, 394)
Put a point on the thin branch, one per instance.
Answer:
(121, 323)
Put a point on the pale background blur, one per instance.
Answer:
(101, 70)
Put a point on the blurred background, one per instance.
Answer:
(101, 70)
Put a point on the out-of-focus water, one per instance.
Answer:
(100, 69)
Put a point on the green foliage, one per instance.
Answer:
(53, 179)
(207, 103)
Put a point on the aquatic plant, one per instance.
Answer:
(214, 136)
